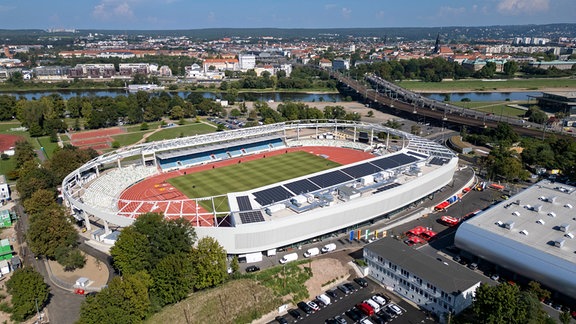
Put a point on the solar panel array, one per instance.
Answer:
(279, 193)
(243, 203)
(418, 154)
(251, 217)
(439, 161)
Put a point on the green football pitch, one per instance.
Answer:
(248, 175)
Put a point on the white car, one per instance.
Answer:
(313, 305)
(394, 308)
(380, 300)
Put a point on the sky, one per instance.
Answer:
(196, 14)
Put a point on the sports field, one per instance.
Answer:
(244, 176)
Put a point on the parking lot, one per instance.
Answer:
(344, 302)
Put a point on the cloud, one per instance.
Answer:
(517, 7)
(346, 12)
(447, 11)
(112, 9)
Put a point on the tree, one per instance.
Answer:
(536, 289)
(131, 252)
(40, 201)
(125, 300)
(29, 292)
(510, 68)
(49, 231)
(173, 279)
(70, 258)
(209, 259)
(536, 115)
(565, 317)
(23, 152)
(32, 178)
(505, 303)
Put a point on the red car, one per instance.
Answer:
(449, 220)
(366, 309)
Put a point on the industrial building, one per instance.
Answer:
(531, 234)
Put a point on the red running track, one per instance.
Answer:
(96, 133)
(156, 188)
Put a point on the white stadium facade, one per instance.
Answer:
(404, 169)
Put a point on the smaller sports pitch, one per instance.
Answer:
(244, 176)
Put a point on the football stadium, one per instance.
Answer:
(265, 187)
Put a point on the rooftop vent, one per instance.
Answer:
(568, 206)
(540, 221)
(509, 225)
(524, 232)
(569, 235)
(499, 223)
(517, 214)
(552, 214)
(559, 243)
(565, 227)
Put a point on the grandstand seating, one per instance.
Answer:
(325, 142)
(187, 160)
(104, 190)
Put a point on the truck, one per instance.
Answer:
(329, 247)
(251, 257)
(312, 252)
(289, 257)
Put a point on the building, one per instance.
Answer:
(531, 234)
(4, 189)
(247, 61)
(436, 286)
(562, 101)
(560, 65)
(131, 69)
(478, 64)
(220, 65)
(340, 64)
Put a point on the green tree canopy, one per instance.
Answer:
(49, 230)
(125, 300)
(131, 253)
(173, 279)
(209, 263)
(28, 291)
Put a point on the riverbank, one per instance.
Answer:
(500, 90)
(491, 85)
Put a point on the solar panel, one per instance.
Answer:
(251, 217)
(330, 179)
(404, 159)
(244, 203)
(387, 187)
(418, 154)
(439, 161)
(301, 186)
(361, 170)
(272, 195)
(385, 163)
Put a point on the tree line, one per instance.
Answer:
(506, 163)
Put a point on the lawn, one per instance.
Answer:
(181, 131)
(494, 107)
(249, 175)
(479, 85)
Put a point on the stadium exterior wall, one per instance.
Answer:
(552, 271)
(289, 230)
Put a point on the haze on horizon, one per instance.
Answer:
(185, 14)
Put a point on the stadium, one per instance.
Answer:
(265, 187)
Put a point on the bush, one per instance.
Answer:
(361, 262)
(4, 156)
(115, 144)
(70, 258)
(144, 126)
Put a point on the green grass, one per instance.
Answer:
(248, 175)
(136, 128)
(129, 138)
(494, 107)
(177, 131)
(7, 165)
(479, 85)
(48, 146)
(287, 280)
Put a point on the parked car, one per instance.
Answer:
(252, 268)
(295, 313)
(344, 289)
(330, 321)
(350, 287)
(354, 314)
(332, 294)
(377, 319)
(305, 307)
(361, 281)
(379, 299)
(365, 308)
(473, 266)
(340, 320)
(281, 320)
(395, 309)
(313, 305)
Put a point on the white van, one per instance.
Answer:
(329, 248)
(311, 252)
(380, 300)
(324, 299)
(373, 304)
(289, 257)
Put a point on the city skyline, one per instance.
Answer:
(180, 14)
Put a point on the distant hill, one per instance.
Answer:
(450, 33)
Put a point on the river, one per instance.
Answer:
(291, 96)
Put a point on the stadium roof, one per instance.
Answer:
(451, 278)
